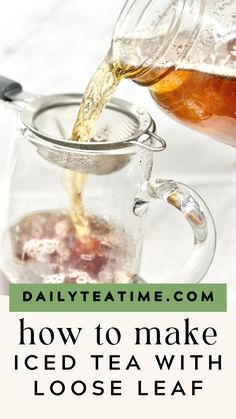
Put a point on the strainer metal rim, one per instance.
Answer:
(41, 103)
(126, 148)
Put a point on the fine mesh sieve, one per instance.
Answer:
(120, 132)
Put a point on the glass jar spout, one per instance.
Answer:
(185, 53)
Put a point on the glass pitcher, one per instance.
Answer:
(184, 51)
(41, 244)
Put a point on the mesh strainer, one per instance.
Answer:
(48, 120)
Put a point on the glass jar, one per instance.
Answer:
(184, 51)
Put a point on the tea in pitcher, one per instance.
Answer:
(201, 100)
(48, 249)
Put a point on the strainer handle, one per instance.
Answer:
(12, 91)
(157, 145)
(8, 87)
(197, 214)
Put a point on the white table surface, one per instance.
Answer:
(55, 46)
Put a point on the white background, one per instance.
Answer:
(54, 46)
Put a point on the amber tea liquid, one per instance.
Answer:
(100, 89)
(203, 101)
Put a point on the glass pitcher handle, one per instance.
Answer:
(196, 213)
